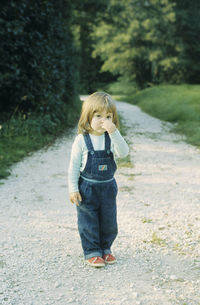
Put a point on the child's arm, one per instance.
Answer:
(120, 146)
(74, 171)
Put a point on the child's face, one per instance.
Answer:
(97, 121)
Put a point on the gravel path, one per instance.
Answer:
(158, 215)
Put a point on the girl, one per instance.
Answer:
(92, 186)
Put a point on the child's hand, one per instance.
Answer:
(108, 125)
(75, 198)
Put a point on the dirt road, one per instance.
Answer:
(158, 246)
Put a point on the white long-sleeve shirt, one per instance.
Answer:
(79, 154)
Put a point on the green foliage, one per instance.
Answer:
(188, 28)
(121, 87)
(38, 69)
(38, 76)
(137, 39)
(22, 135)
(85, 15)
(150, 42)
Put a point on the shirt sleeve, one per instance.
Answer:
(75, 164)
(121, 148)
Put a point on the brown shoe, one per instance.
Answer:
(96, 261)
(109, 259)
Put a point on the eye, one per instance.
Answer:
(109, 117)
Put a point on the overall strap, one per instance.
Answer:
(88, 142)
(107, 142)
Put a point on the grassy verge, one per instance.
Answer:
(178, 104)
(20, 136)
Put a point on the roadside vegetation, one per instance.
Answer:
(20, 135)
(38, 78)
(178, 104)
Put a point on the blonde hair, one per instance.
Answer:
(96, 102)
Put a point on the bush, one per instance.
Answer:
(38, 76)
(38, 59)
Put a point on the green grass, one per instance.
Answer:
(20, 136)
(121, 88)
(146, 220)
(157, 240)
(178, 104)
(14, 149)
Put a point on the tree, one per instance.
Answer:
(137, 39)
(38, 58)
(86, 14)
(188, 29)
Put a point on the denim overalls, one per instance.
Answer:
(97, 217)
